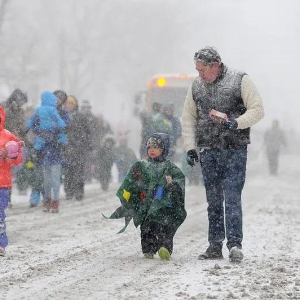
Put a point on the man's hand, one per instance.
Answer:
(192, 157)
(231, 124)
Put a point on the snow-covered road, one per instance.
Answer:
(77, 254)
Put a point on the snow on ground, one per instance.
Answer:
(77, 254)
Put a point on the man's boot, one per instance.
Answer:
(212, 252)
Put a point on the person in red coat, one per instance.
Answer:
(10, 155)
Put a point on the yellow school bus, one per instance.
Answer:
(164, 89)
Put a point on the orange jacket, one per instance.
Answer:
(7, 163)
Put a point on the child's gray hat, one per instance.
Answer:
(155, 142)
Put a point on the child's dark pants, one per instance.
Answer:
(154, 236)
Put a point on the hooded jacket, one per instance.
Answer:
(106, 157)
(47, 114)
(6, 163)
(15, 114)
(145, 195)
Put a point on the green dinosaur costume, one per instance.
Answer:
(146, 196)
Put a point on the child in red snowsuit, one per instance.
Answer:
(10, 155)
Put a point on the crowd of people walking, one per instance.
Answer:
(65, 143)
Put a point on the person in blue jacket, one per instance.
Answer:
(47, 122)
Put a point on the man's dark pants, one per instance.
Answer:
(224, 172)
(74, 179)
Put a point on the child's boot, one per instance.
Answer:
(34, 198)
(2, 251)
(164, 253)
(55, 205)
(47, 205)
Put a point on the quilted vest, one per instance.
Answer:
(223, 95)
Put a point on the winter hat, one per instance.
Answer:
(156, 107)
(2, 118)
(86, 103)
(72, 100)
(61, 95)
(161, 141)
(155, 141)
(108, 138)
(17, 96)
(207, 56)
(169, 108)
(48, 98)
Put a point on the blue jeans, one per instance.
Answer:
(4, 199)
(52, 181)
(224, 172)
(37, 185)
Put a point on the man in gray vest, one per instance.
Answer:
(220, 107)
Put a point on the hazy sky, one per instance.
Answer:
(106, 50)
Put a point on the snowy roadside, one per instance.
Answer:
(78, 255)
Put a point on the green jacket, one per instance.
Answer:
(145, 195)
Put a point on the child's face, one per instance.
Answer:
(154, 152)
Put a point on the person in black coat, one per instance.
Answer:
(105, 159)
(79, 144)
(94, 125)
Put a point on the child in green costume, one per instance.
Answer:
(152, 194)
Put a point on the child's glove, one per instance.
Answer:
(169, 179)
(12, 149)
